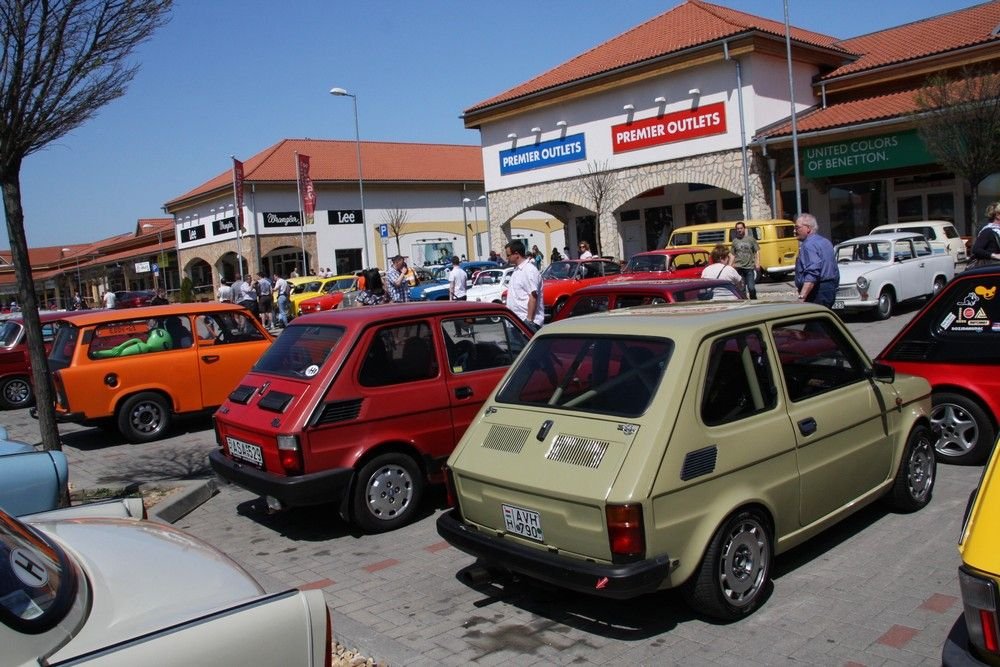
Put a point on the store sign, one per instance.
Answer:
(288, 219)
(345, 217)
(886, 151)
(142, 267)
(543, 154)
(224, 226)
(703, 121)
(195, 233)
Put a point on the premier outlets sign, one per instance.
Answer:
(703, 121)
(543, 154)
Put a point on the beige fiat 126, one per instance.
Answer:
(684, 446)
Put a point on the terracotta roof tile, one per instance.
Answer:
(336, 160)
(863, 110)
(930, 36)
(688, 25)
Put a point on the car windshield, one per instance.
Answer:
(9, 331)
(560, 271)
(441, 273)
(311, 286)
(647, 263)
(338, 285)
(601, 374)
(489, 278)
(300, 351)
(37, 582)
(869, 251)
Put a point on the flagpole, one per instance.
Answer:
(791, 97)
(302, 215)
(239, 218)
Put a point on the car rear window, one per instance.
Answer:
(594, 374)
(680, 239)
(300, 351)
(63, 347)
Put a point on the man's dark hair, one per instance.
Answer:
(516, 246)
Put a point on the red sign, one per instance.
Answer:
(238, 192)
(306, 190)
(679, 126)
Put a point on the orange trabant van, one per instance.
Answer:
(136, 369)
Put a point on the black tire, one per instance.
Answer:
(914, 483)
(559, 305)
(387, 493)
(16, 392)
(939, 284)
(965, 430)
(886, 304)
(734, 573)
(144, 417)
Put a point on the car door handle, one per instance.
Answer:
(807, 426)
(463, 392)
(210, 358)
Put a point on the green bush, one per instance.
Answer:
(187, 291)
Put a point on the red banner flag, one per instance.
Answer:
(238, 194)
(306, 190)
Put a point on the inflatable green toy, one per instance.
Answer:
(157, 341)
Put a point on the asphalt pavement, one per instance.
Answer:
(878, 589)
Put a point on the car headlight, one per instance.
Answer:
(863, 284)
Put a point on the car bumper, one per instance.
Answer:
(295, 491)
(619, 582)
(955, 652)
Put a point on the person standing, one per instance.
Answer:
(248, 296)
(225, 292)
(458, 281)
(524, 293)
(721, 267)
(816, 272)
(109, 299)
(265, 300)
(280, 287)
(746, 257)
(395, 280)
(160, 299)
(536, 257)
(986, 248)
(585, 250)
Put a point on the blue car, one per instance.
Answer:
(436, 289)
(31, 480)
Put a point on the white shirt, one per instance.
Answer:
(586, 254)
(109, 299)
(458, 281)
(719, 271)
(523, 281)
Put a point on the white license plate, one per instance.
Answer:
(523, 522)
(838, 305)
(245, 451)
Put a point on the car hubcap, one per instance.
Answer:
(17, 392)
(744, 562)
(884, 305)
(957, 430)
(920, 477)
(389, 492)
(146, 418)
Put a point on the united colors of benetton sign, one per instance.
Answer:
(678, 126)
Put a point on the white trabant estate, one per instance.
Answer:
(490, 285)
(880, 270)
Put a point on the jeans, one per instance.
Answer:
(823, 293)
(283, 310)
(749, 281)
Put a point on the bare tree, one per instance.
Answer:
(599, 185)
(62, 61)
(396, 219)
(958, 119)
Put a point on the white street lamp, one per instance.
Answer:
(340, 92)
(489, 231)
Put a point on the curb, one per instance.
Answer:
(192, 494)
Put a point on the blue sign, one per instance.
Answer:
(543, 154)
(383, 230)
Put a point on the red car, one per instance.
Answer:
(362, 406)
(331, 297)
(954, 342)
(16, 390)
(136, 299)
(668, 263)
(622, 294)
(566, 276)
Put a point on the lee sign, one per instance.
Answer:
(678, 126)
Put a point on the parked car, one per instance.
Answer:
(952, 341)
(86, 588)
(330, 296)
(436, 289)
(943, 236)
(975, 637)
(684, 446)
(628, 294)
(562, 278)
(16, 389)
(136, 370)
(880, 270)
(31, 480)
(668, 263)
(134, 299)
(313, 286)
(490, 285)
(362, 406)
(776, 238)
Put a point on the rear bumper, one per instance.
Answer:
(955, 652)
(295, 491)
(619, 582)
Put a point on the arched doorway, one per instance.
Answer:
(281, 261)
(202, 283)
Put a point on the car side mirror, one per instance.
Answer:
(882, 372)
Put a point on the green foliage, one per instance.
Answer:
(187, 290)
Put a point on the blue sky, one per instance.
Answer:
(227, 77)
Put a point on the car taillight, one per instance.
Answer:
(290, 454)
(451, 496)
(60, 390)
(218, 432)
(503, 296)
(979, 597)
(625, 532)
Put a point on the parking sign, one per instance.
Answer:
(383, 230)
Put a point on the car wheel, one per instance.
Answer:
(560, 304)
(144, 417)
(734, 573)
(16, 392)
(939, 284)
(886, 304)
(387, 493)
(965, 431)
(915, 478)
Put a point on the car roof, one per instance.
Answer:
(669, 285)
(589, 259)
(47, 316)
(909, 225)
(363, 315)
(895, 236)
(99, 315)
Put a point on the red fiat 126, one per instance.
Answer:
(363, 406)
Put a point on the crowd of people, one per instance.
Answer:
(266, 298)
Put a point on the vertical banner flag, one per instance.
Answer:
(238, 194)
(306, 190)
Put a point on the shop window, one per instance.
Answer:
(659, 223)
(788, 204)
(698, 213)
(855, 208)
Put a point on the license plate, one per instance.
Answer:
(523, 522)
(246, 451)
(838, 305)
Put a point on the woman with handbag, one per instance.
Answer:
(986, 249)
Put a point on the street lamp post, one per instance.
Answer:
(340, 92)
(489, 233)
(465, 226)
(475, 213)
(79, 284)
(159, 254)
